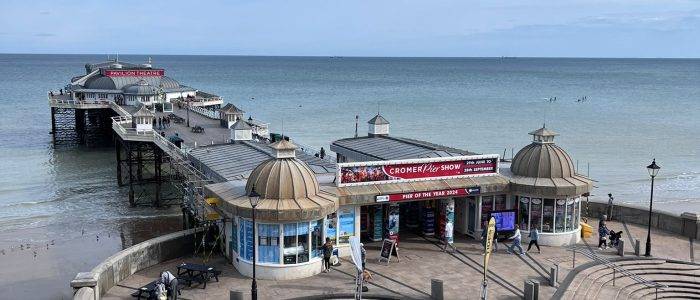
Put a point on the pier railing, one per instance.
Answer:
(212, 114)
(81, 104)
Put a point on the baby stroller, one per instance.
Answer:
(615, 238)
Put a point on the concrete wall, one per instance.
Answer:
(686, 225)
(131, 260)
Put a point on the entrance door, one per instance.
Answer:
(471, 216)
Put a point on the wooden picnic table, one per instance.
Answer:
(198, 129)
(145, 291)
(188, 272)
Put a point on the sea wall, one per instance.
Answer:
(686, 224)
(93, 284)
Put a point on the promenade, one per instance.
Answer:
(422, 259)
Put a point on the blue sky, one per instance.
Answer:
(635, 28)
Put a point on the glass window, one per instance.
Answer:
(500, 202)
(523, 212)
(548, 216)
(486, 208)
(290, 243)
(234, 236)
(268, 243)
(559, 219)
(346, 224)
(570, 221)
(303, 242)
(316, 238)
(536, 214)
(245, 238)
(331, 227)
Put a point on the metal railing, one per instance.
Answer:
(617, 270)
(212, 114)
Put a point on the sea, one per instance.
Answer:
(61, 211)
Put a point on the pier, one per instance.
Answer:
(154, 160)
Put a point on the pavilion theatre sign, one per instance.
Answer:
(392, 171)
(134, 73)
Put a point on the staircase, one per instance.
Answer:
(662, 278)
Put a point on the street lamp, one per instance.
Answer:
(653, 170)
(254, 198)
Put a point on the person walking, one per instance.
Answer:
(327, 253)
(516, 242)
(534, 235)
(603, 233)
(170, 282)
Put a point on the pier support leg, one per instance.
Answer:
(158, 159)
(139, 162)
(131, 177)
(53, 125)
(118, 149)
(80, 125)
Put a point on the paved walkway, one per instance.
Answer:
(421, 260)
(213, 131)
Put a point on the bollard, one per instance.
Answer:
(535, 290)
(436, 291)
(235, 294)
(636, 247)
(621, 248)
(529, 290)
(554, 275)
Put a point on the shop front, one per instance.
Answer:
(428, 197)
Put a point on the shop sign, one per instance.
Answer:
(416, 169)
(428, 195)
(134, 73)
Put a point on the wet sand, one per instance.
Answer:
(39, 269)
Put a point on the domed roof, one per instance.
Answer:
(288, 189)
(542, 159)
(101, 83)
(140, 88)
(545, 169)
(169, 83)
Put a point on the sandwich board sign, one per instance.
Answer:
(388, 248)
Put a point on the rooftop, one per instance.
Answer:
(237, 161)
(392, 148)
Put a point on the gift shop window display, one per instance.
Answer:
(289, 243)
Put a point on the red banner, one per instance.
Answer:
(429, 195)
(387, 171)
(134, 73)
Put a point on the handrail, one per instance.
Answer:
(639, 279)
(313, 151)
(212, 114)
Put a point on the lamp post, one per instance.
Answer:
(653, 170)
(188, 117)
(254, 198)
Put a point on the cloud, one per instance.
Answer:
(44, 34)
(45, 13)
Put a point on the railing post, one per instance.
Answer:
(614, 275)
(573, 260)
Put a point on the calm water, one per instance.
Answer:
(637, 109)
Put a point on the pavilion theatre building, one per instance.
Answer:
(383, 187)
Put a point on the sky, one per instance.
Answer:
(563, 28)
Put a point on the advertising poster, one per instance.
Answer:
(378, 223)
(346, 219)
(449, 205)
(416, 169)
(393, 222)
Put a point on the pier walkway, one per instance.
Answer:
(422, 259)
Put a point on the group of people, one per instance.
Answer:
(534, 236)
(162, 122)
(606, 237)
